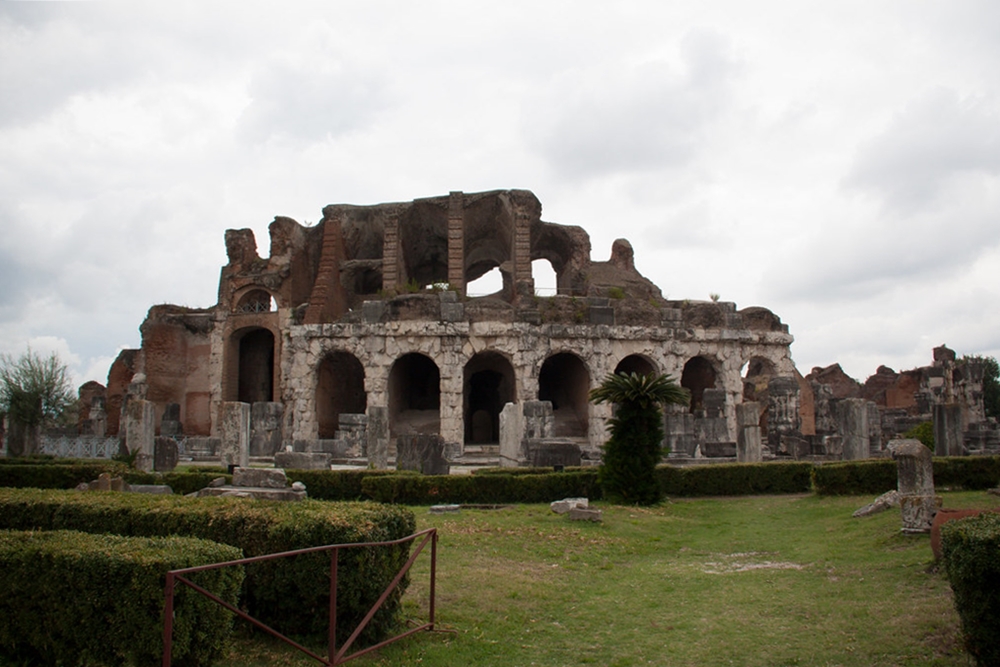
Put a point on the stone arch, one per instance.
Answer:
(635, 363)
(488, 237)
(487, 385)
(423, 244)
(340, 389)
(254, 300)
(254, 377)
(564, 379)
(414, 395)
(698, 375)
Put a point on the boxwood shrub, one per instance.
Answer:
(73, 598)
(876, 476)
(294, 597)
(44, 475)
(971, 552)
(337, 484)
(482, 489)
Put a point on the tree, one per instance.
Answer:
(628, 467)
(34, 390)
(991, 384)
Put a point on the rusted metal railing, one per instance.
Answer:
(335, 656)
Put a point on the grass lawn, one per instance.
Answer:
(767, 580)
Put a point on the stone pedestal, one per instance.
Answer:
(423, 453)
(377, 437)
(748, 442)
(551, 452)
(783, 418)
(234, 429)
(915, 482)
(852, 422)
(140, 431)
(948, 430)
(265, 428)
(511, 435)
(165, 454)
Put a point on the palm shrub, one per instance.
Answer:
(628, 467)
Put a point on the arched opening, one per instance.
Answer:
(255, 301)
(698, 375)
(490, 282)
(340, 389)
(565, 381)
(635, 363)
(255, 381)
(414, 396)
(544, 277)
(488, 385)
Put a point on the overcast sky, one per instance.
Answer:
(837, 162)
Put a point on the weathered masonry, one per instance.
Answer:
(359, 331)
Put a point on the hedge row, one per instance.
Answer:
(876, 476)
(735, 479)
(338, 484)
(295, 599)
(73, 598)
(481, 489)
(971, 550)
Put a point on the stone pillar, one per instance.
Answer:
(165, 454)
(678, 430)
(456, 242)
(423, 453)
(538, 420)
(748, 443)
(377, 437)
(511, 435)
(170, 423)
(852, 421)
(948, 430)
(140, 431)
(265, 428)
(915, 475)
(390, 256)
(524, 284)
(784, 423)
(234, 430)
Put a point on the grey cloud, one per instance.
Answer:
(936, 139)
(634, 118)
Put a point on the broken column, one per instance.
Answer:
(915, 482)
(234, 429)
(948, 430)
(265, 428)
(852, 422)
(748, 443)
(511, 435)
(140, 431)
(377, 437)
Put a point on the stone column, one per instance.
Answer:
(852, 420)
(456, 242)
(140, 432)
(915, 482)
(377, 437)
(783, 419)
(265, 428)
(948, 430)
(748, 443)
(234, 430)
(511, 435)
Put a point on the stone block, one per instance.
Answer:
(718, 449)
(566, 504)
(234, 428)
(918, 512)
(886, 501)
(140, 430)
(165, 454)
(852, 424)
(948, 439)
(452, 312)
(372, 311)
(377, 437)
(423, 453)
(302, 460)
(599, 315)
(914, 467)
(264, 478)
(152, 489)
(512, 436)
(550, 452)
(580, 514)
(748, 439)
(265, 428)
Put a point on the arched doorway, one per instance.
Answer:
(487, 385)
(414, 396)
(255, 381)
(565, 381)
(698, 375)
(340, 389)
(635, 363)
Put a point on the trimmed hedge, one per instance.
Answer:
(72, 598)
(735, 479)
(971, 550)
(545, 470)
(338, 484)
(292, 597)
(482, 489)
(876, 476)
(56, 476)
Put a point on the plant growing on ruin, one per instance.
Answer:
(34, 390)
(924, 432)
(616, 293)
(628, 468)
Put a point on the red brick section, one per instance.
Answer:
(456, 242)
(328, 300)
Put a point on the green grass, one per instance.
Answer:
(769, 580)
